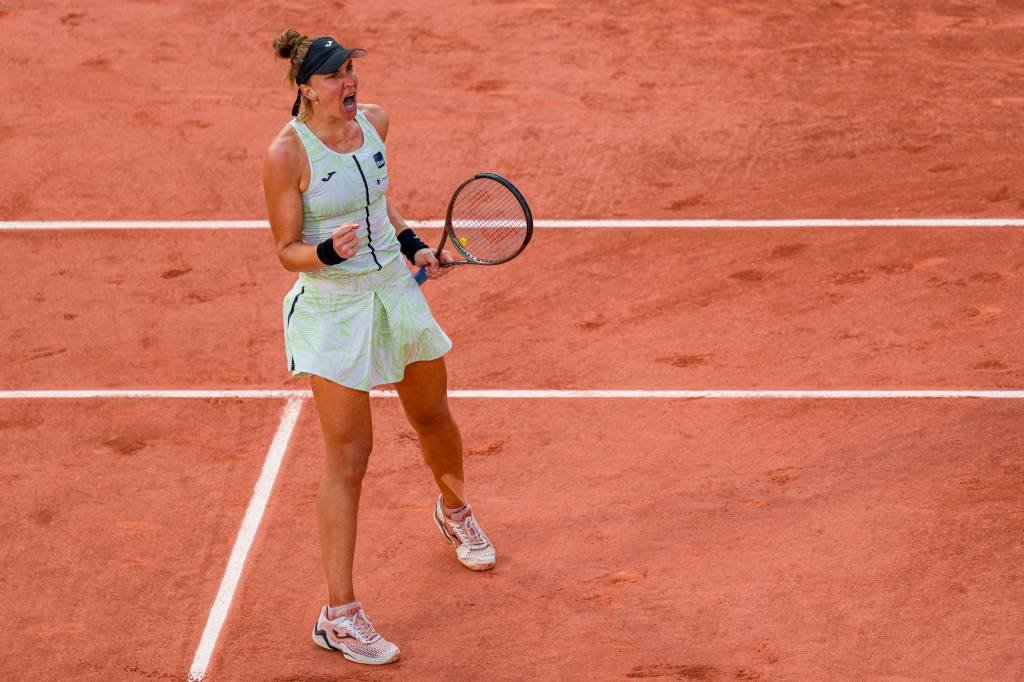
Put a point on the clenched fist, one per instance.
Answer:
(345, 240)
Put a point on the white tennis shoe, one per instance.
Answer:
(472, 546)
(354, 636)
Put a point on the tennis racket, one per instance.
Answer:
(488, 222)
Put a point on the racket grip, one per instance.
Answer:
(420, 276)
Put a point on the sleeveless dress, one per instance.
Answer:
(358, 323)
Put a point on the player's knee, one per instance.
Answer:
(348, 474)
(346, 464)
(436, 419)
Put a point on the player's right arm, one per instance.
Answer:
(282, 178)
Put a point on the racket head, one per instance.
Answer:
(488, 220)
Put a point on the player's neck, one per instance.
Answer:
(335, 131)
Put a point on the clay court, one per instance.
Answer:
(720, 422)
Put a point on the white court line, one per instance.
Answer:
(146, 393)
(541, 394)
(774, 223)
(246, 534)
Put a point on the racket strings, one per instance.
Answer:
(488, 222)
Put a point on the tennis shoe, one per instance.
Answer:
(472, 546)
(352, 633)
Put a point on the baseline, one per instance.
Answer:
(631, 223)
(205, 394)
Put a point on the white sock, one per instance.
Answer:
(342, 610)
(456, 514)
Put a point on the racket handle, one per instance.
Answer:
(420, 276)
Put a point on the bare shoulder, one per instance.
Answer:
(378, 117)
(283, 159)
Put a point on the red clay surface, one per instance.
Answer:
(117, 518)
(822, 309)
(832, 540)
(632, 109)
(702, 540)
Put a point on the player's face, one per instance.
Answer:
(337, 91)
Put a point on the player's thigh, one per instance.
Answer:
(424, 394)
(344, 415)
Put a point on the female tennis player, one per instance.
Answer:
(356, 318)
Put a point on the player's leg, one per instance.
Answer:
(424, 395)
(343, 625)
(348, 439)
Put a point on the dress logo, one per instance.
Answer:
(328, 176)
(379, 159)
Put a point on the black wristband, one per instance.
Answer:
(410, 244)
(326, 253)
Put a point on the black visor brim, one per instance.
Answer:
(337, 59)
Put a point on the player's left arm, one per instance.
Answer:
(425, 256)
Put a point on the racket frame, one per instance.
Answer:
(449, 231)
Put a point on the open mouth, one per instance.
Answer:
(349, 102)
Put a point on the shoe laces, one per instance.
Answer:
(469, 532)
(360, 625)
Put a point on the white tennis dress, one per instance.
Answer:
(358, 323)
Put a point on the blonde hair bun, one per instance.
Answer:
(287, 43)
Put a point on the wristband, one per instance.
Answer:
(410, 244)
(326, 253)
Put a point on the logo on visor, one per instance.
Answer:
(328, 43)
(379, 159)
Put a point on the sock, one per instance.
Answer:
(456, 514)
(343, 610)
